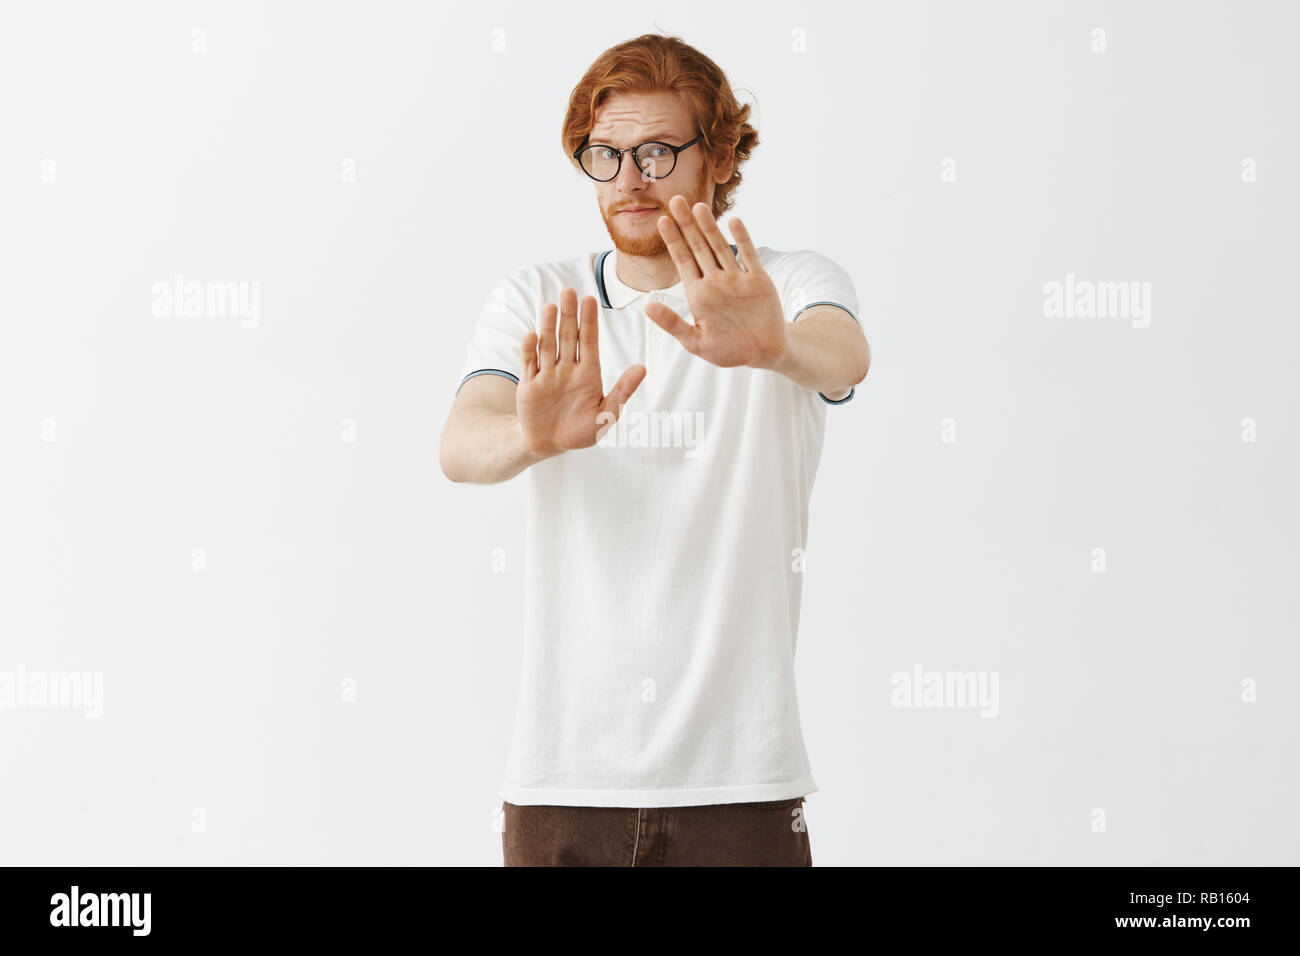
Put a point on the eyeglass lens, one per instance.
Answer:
(655, 160)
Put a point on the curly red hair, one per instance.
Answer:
(653, 63)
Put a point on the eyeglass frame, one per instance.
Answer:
(632, 149)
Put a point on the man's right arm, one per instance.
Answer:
(482, 441)
(496, 428)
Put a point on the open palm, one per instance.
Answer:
(560, 399)
(736, 312)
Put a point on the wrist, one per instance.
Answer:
(529, 452)
(780, 359)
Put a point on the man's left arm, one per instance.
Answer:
(825, 350)
(739, 315)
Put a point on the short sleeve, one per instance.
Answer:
(808, 278)
(506, 317)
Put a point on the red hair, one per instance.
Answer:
(652, 63)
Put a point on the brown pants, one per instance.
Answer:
(716, 834)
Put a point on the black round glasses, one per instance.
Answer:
(654, 159)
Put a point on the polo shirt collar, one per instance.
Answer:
(615, 294)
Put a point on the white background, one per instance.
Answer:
(330, 560)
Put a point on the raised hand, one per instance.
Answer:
(737, 313)
(560, 399)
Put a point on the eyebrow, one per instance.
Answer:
(657, 137)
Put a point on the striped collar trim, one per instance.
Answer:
(614, 294)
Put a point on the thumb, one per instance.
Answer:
(672, 323)
(623, 389)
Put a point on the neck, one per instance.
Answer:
(646, 273)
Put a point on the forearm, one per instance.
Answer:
(826, 353)
(483, 446)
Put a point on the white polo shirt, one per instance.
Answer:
(662, 581)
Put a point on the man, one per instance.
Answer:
(671, 424)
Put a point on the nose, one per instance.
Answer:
(629, 177)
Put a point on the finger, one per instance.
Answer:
(713, 236)
(683, 258)
(695, 240)
(546, 340)
(588, 333)
(745, 245)
(622, 390)
(528, 356)
(672, 323)
(568, 326)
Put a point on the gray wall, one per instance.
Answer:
(234, 522)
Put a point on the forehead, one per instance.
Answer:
(632, 115)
